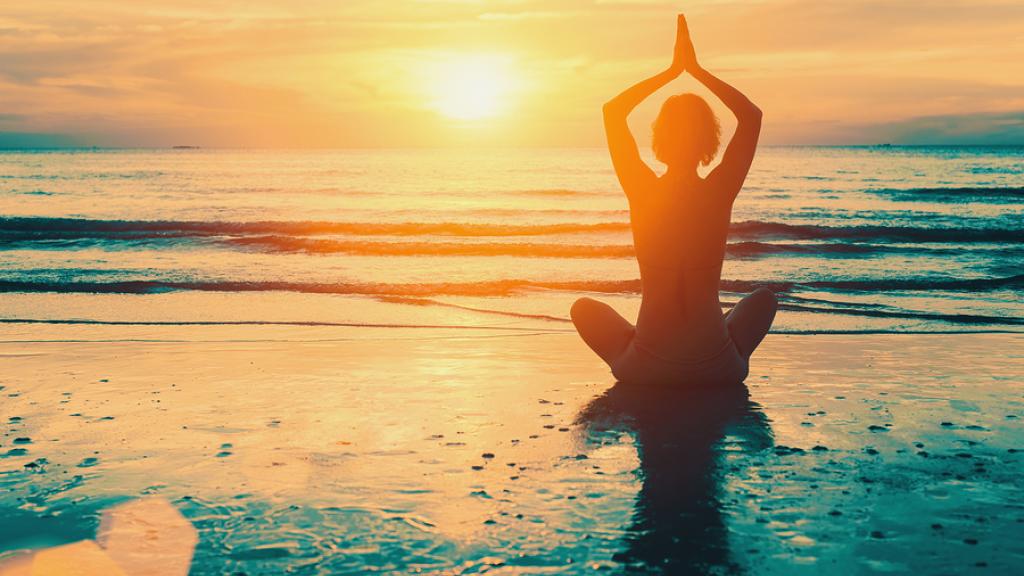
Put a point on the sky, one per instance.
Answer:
(395, 73)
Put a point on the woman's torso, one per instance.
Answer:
(679, 230)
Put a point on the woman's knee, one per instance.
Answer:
(751, 319)
(763, 306)
(765, 299)
(601, 327)
(583, 308)
(761, 303)
(588, 311)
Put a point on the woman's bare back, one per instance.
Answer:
(679, 231)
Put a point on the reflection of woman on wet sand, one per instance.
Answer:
(681, 435)
(680, 223)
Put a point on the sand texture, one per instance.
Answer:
(335, 450)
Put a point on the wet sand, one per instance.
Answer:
(341, 450)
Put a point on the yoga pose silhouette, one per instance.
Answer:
(680, 222)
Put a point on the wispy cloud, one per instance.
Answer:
(1006, 128)
(327, 73)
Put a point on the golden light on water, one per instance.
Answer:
(472, 87)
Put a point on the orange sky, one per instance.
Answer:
(359, 73)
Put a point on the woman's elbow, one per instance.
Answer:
(752, 117)
(613, 108)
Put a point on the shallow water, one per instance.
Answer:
(853, 239)
(326, 450)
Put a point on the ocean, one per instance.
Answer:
(853, 239)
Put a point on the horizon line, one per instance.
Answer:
(193, 148)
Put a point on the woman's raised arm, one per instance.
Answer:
(634, 174)
(736, 160)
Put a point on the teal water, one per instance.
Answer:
(884, 239)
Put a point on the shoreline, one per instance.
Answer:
(16, 332)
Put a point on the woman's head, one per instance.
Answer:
(686, 132)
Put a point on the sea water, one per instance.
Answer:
(872, 239)
(345, 362)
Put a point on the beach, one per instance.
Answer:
(361, 360)
(312, 449)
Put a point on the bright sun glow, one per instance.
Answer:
(472, 88)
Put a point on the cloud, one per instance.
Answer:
(328, 73)
(971, 129)
(22, 140)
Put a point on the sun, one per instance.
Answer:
(472, 87)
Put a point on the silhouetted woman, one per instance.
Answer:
(680, 222)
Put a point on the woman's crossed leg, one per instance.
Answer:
(750, 319)
(602, 328)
